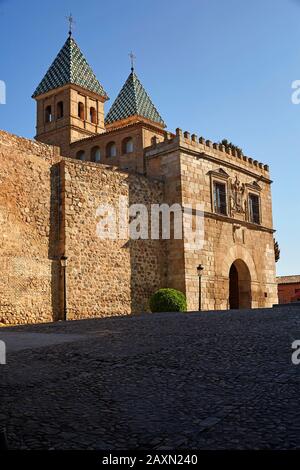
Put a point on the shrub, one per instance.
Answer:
(167, 300)
(228, 145)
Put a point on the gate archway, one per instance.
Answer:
(239, 285)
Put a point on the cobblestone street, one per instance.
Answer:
(216, 380)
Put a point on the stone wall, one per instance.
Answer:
(26, 197)
(48, 208)
(107, 277)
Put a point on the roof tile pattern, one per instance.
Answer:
(131, 101)
(70, 67)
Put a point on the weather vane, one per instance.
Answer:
(71, 23)
(132, 58)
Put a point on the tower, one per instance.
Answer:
(133, 105)
(70, 100)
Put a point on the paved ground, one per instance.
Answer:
(203, 381)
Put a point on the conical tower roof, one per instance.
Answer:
(70, 67)
(133, 100)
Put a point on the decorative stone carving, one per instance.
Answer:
(237, 192)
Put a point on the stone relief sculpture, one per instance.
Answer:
(237, 192)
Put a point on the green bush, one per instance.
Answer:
(167, 300)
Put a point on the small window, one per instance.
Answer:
(111, 149)
(254, 210)
(81, 110)
(220, 198)
(95, 154)
(93, 115)
(80, 155)
(48, 114)
(127, 145)
(60, 110)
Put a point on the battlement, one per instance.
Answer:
(193, 143)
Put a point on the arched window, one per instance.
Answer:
(93, 115)
(81, 110)
(59, 109)
(111, 149)
(80, 155)
(95, 154)
(48, 114)
(127, 145)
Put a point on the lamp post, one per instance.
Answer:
(199, 271)
(64, 263)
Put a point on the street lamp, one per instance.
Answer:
(199, 271)
(64, 263)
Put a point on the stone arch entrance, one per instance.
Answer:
(239, 285)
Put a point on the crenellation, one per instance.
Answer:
(179, 132)
(213, 148)
(154, 141)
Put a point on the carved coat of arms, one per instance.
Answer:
(237, 191)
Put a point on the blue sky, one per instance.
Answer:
(219, 68)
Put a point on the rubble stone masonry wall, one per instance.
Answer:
(26, 290)
(48, 208)
(108, 277)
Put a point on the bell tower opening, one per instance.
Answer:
(239, 285)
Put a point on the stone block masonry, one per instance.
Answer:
(190, 167)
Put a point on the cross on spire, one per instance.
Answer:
(71, 23)
(132, 59)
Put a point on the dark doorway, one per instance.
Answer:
(233, 288)
(239, 285)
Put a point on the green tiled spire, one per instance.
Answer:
(70, 67)
(131, 101)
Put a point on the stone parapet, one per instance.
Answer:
(193, 144)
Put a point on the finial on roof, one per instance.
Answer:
(132, 59)
(71, 24)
